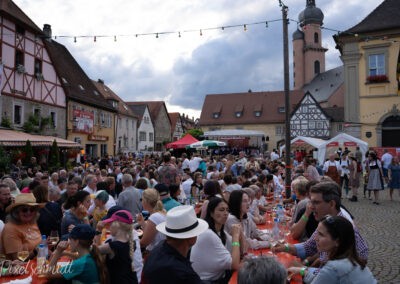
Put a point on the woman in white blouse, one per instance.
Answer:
(216, 252)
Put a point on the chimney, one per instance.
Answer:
(100, 81)
(47, 32)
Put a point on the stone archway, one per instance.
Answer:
(391, 131)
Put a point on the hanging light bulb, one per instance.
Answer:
(245, 27)
(156, 35)
(179, 34)
(115, 38)
(266, 24)
(55, 37)
(74, 38)
(201, 33)
(222, 28)
(136, 35)
(94, 39)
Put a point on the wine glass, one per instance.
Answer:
(23, 254)
(54, 238)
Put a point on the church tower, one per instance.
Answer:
(308, 53)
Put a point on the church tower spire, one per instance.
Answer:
(308, 53)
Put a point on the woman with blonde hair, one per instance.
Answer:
(151, 202)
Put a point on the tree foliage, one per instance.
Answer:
(54, 157)
(5, 160)
(196, 133)
(28, 152)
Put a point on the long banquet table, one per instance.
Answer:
(282, 257)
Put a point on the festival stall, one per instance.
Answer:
(307, 144)
(343, 141)
(182, 143)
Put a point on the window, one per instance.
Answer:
(151, 136)
(216, 114)
(142, 136)
(257, 113)
(53, 119)
(103, 150)
(115, 104)
(340, 127)
(317, 67)
(316, 38)
(38, 66)
(19, 58)
(376, 64)
(238, 114)
(279, 130)
(281, 109)
(36, 112)
(17, 114)
(81, 87)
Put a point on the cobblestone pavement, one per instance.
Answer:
(380, 226)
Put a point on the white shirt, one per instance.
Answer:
(209, 257)
(186, 187)
(185, 164)
(194, 164)
(386, 160)
(274, 156)
(156, 218)
(344, 167)
(328, 164)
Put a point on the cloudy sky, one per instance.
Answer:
(182, 70)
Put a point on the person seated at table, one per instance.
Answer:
(302, 210)
(210, 191)
(197, 185)
(262, 270)
(216, 252)
(21, 230)
(259, 199)
(325, 200)
(335, 236)
(239, 204)
(76, 206)
(119, 251)
(100, 210)
(168, 262)
(50, 215)
(151, 202)
(88, 267)
(253, 210)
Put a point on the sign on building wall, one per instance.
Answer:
(83, 121)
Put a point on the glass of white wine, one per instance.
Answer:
(23, 254)
(54, 238)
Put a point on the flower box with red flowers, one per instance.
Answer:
(377, 79)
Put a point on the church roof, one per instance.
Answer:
(311, 14)
(325, 84)
(384, 17)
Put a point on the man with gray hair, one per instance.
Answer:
(262, 270)
(130, 197)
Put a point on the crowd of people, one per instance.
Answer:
(147, 204)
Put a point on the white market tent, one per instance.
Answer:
(326, 147)
(345, 140)
(308, 144)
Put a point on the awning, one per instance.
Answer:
(12, 138)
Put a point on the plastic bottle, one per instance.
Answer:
(45, 246)
(280, 212)
(41, 258)
(275, 230)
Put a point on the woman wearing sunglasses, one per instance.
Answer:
(21, 232)
(335, 236)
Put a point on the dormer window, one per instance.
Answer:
(217, 111)
(239, 111)
(216, 114)
(81, 87)
(281, 109)
(96, 93)
(115, 104)
(64, 80)
(257, 110)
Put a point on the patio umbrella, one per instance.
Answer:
(206, 144)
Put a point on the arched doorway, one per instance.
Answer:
(391, 131)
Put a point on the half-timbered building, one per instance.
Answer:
(309, 119)
(30, 86)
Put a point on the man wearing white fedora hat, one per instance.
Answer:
(168, 262)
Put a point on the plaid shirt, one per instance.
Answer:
(309, 247)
